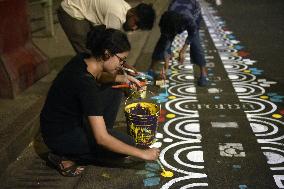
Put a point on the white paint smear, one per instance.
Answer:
(274, 158)
(224, 124)
(159, 135)
(190, 90)
(258, 128)
(240, 89)
(279, 180)
(168, 140)
(156, 145)
(195, 156)
(192, 127)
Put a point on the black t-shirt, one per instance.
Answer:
(73, 95)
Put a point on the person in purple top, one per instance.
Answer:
(181, 15)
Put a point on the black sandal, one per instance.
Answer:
(71, 171)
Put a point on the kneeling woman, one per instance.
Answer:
(79, 113)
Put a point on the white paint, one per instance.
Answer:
(273, 124)
(183, 90)
(189, 77)
(264, 85)
(177, 103)
(156, 145)
(192, 127)
(279, 180)
(231, 150)
(228, 66)
(273, 158)
(178, 160)
(159, 135)
(191, 90)
(187, 178)
(233, 77)
(188, 67)
(252, 90)
(224, 124)
(214, 90)
(240, 89)
(195, 156)
(210, 65)
(168, 140)
(258, 128)
(194, 185)
(266, 107)
(175, 124)
(177, 145)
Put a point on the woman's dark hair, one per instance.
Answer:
(146, 15)
(100, 39)
(172, 23)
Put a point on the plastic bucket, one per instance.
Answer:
(142, 122)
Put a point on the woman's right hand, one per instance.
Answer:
(151, 154)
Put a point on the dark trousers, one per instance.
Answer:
(75, 30)
(79, 142)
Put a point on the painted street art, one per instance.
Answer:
(180, 136)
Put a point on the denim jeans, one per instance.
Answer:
(163, 47)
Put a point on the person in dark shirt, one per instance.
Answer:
(79, 113)
(181, 15)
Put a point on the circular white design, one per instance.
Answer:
(264, 126)
(186, 179)
(248, 90)
(179, 128)
(183, 90)
(183, 148)
(241, 77)
(272, 135)
(180, 77)
(265, 106)
(233, 67)
(183, 68)
(177, 106)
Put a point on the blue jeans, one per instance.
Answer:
(163, 47)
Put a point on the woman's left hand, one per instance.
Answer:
(135, 73)
(133, 82)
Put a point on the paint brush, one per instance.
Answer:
(160, 164)
(125, 85)
(165, 173)
(129, 70)
(164, 78)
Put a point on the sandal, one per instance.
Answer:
(71, 171)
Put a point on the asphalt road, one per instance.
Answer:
(227, 135)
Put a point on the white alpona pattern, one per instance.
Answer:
(249, 88)
(182, 133)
